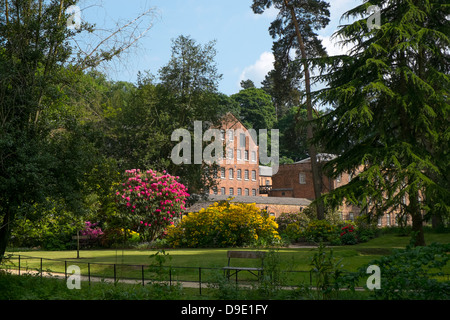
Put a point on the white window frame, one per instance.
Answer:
(230, 135)
(302, 178)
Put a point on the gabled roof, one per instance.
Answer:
(231, 118)
(321, 157)
(250, 199)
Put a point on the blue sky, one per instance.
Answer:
(243, 42)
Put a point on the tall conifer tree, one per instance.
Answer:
(295, 31)
(390, 116)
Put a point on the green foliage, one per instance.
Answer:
(293, 134)
(320, 231)
(224, 225)
(256, 108)
(327, 271)
(49, 228)
(412, 273)
(45, 148)
(28, 287)
(140, 129)
(390, 111)
(291, 225)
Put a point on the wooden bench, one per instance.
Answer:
(244, 255)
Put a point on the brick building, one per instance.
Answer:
(239, 170)
(296, 181)
(273, 205)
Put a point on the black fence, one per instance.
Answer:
(198, 277)
(195, 277)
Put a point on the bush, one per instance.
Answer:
(286, 219)
(224, 224)
(291, 225)
(366, 230)
(293, 232)
(348, 234)
(148, 202)
(411, 273)
(48, 229)
(320, 230)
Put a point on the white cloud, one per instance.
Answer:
(333, 46)
(258, 71)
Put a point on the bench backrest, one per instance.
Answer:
(246, 254)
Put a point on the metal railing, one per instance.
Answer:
(131, 273)
(197, 277)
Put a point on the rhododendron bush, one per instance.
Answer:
(224, 224)
(149, 201)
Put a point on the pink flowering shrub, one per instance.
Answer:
(149, 201)
(91, 230)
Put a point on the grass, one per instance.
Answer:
(293, 259)
(210, 260)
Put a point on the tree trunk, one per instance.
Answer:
(417, 229)
(417, 220)
(4, 232)
(317, 179)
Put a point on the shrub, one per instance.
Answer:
(286, 219)
(291, 225)
(149, 202)
(224, 224)
(49, 229)
(366, 229)
(348, 234)
(320, 230)
(293, 232)
(411, 273)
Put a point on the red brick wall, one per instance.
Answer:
(233, 128)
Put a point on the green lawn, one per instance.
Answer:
(185, 263)
(101, 264)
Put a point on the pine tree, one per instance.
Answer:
(294, 28)
(391, 111)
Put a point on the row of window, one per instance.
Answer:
(388, 219)
(231, 191)
(302, 178)
(231, 133)
(238, 174)
(230, 155)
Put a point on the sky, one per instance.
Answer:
(243, 43)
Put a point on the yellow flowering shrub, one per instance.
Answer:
(224, 224)
(320, 230)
